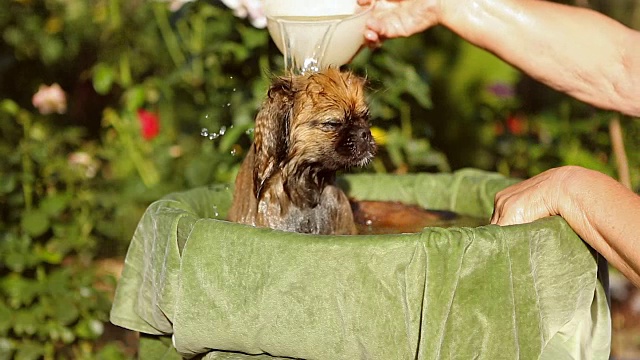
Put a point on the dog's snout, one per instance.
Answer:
(364, 134)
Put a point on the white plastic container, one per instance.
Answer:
(313, 35)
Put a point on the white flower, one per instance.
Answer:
(84, 162)
(50, 99)
(175, 5)
(253, 9)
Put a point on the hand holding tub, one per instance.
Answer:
(601, 210)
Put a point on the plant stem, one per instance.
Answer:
(147, 171)
(405, 120)
(168, 36)
(617, 143)
(27, 163)
(114, 14)
(125, 71)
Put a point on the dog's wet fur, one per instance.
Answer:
(308, 128)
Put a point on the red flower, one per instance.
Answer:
(516, 125)
(149, 123)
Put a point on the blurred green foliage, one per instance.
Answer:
(74, 185)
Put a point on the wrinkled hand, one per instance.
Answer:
(540, 196)
(603, 212)
(399, 18)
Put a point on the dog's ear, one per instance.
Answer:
(271, 133)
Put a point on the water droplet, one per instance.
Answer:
(213, 136)
(228, 104)
(234, 89)
(215, 211)
(234, 152)
(206, 116)
(369, 222)
(223, 130)
(249, 131)
(204, 132)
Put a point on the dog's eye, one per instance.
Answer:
(331, 124)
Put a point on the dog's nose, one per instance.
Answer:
(364, 134)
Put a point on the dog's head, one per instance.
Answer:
(309, 127)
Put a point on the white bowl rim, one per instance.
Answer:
(348, 17)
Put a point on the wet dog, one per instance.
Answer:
(308, 128)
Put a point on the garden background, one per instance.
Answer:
(108, 105)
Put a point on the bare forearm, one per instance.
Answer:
(577, 51)
(607, 217)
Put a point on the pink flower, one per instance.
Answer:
(502, 90)
(253, 9)
(149, 123)
(175, 5)
(50, 99)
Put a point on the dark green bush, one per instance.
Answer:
(49, 298)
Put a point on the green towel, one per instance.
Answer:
(199, 285)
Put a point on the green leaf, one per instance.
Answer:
(29, 350)
(52, 49)
(35, 222)
(58, 332)
(20, 291)
(253, 38)
(9, 106)
(7, 347)
(232, 136)
(15, 251)
(103, 77)
(5, 320)
(59, 283)
(110, 352)
(66, 311)
(49, 254)
(200, 170)
(25, 323)
(135, 98)
(53, 205)
(418, 88)
(8, 183)
(89, 329)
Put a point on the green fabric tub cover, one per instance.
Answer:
(196, 285)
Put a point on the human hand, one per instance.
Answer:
(603, 212)
(543, 195)
(399, 18)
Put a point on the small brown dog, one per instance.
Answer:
(309, 127)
